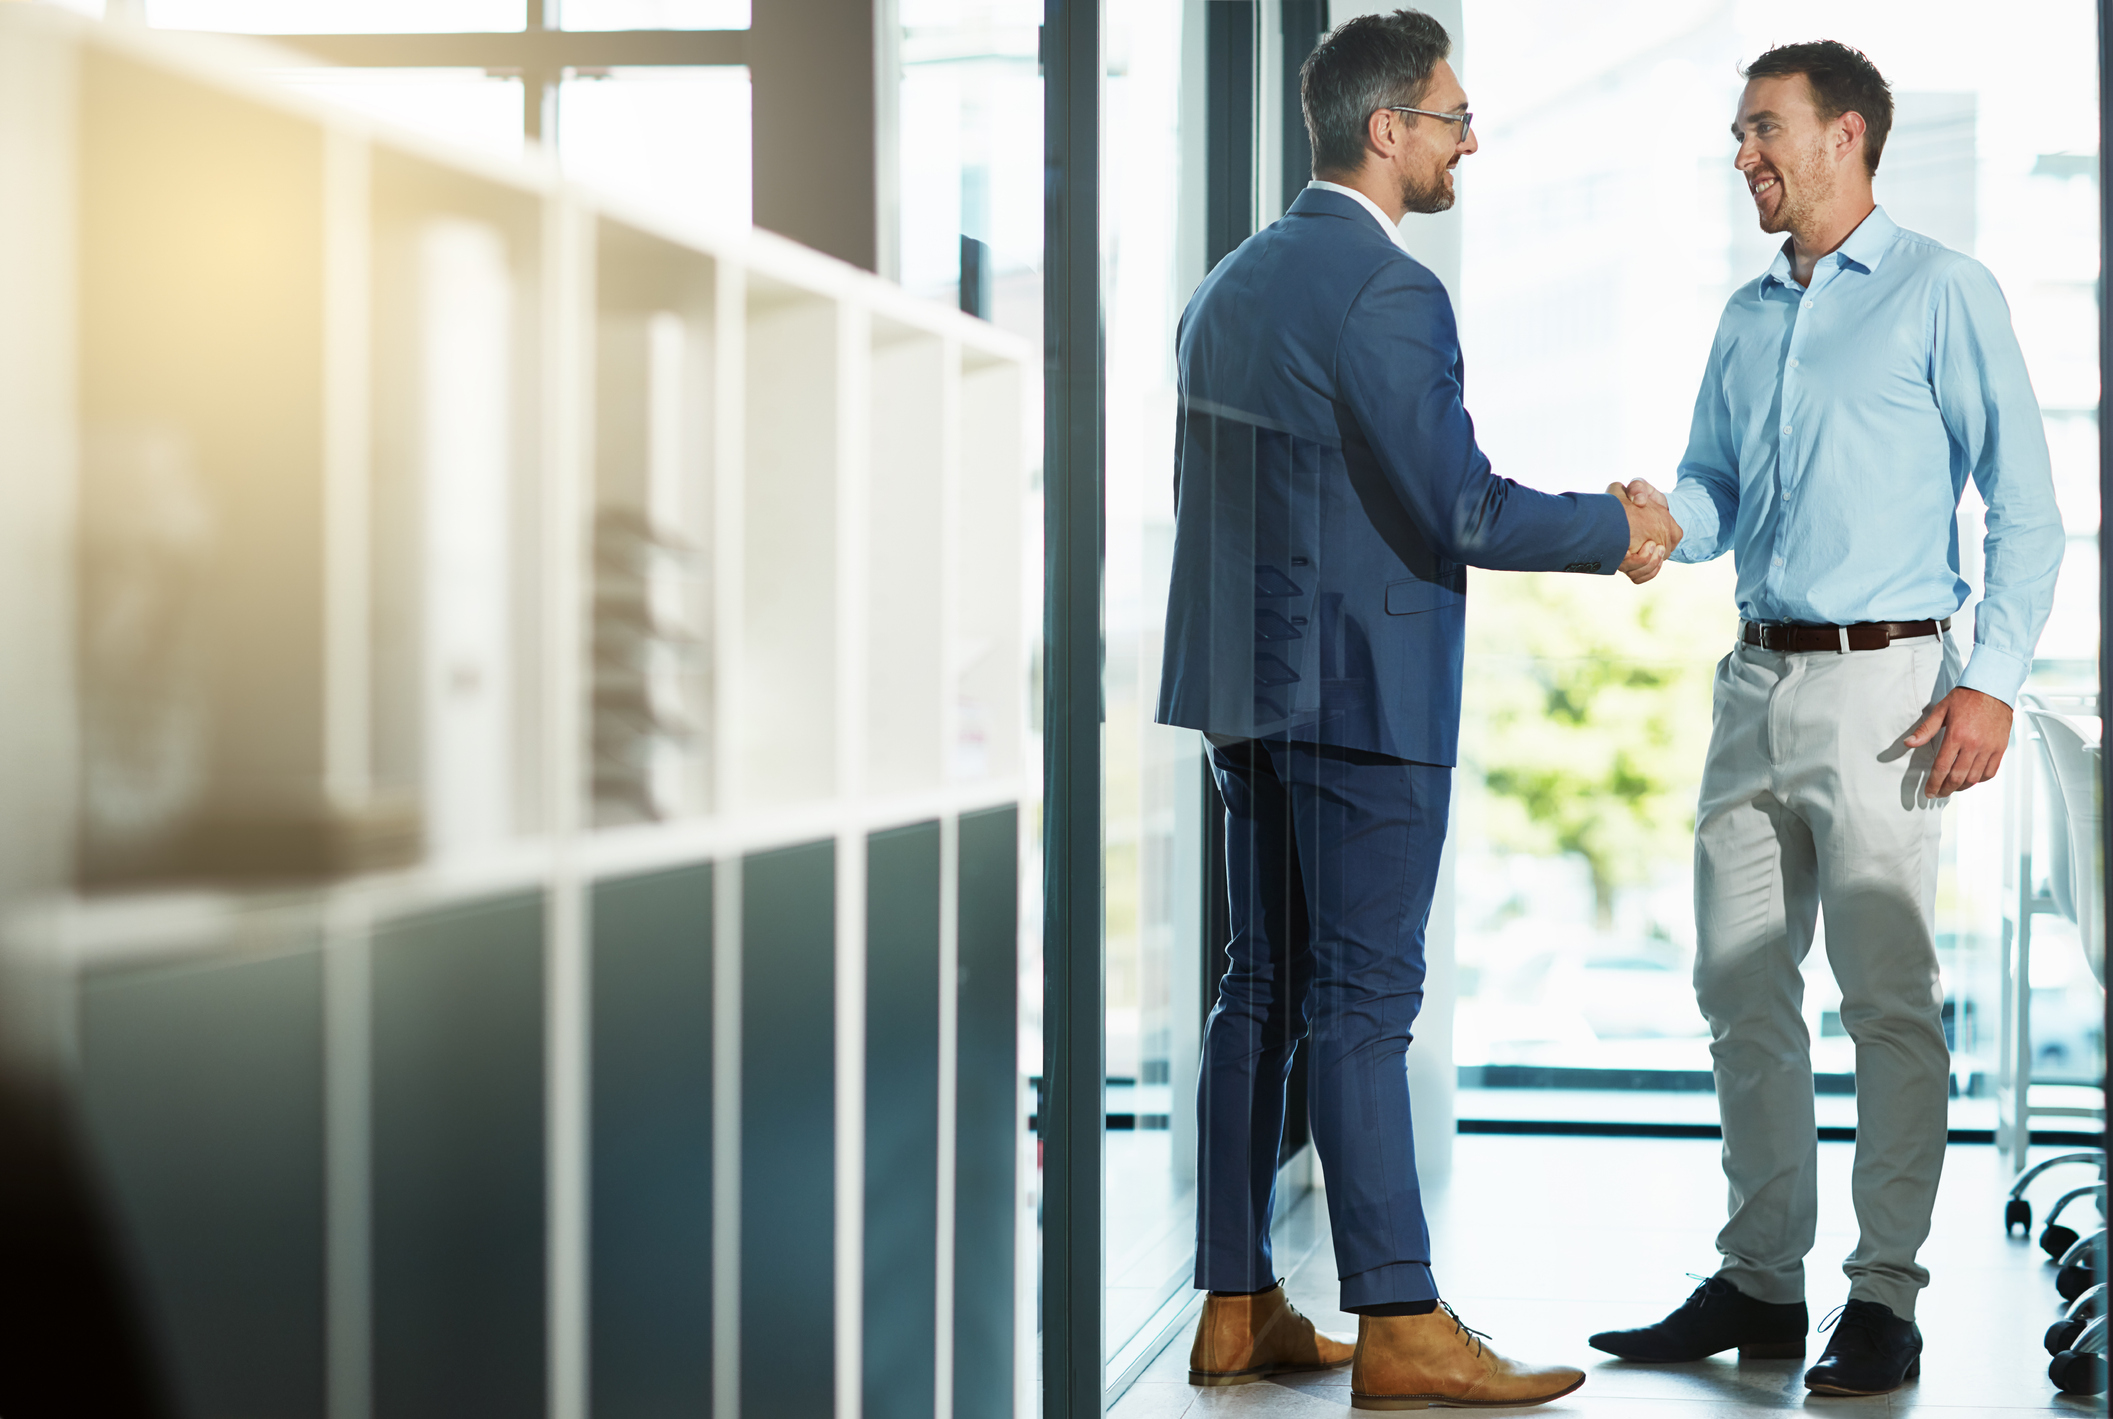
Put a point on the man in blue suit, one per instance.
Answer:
(1329, 498)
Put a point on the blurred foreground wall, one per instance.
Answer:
(512, 749)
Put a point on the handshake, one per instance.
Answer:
(1652, 532)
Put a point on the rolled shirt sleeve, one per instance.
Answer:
(1705, 496)
(1985, 396)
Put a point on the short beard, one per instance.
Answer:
(1814, 187)
(1436, 196)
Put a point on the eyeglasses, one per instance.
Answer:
(1463, 119)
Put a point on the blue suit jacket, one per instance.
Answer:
(1329, 497)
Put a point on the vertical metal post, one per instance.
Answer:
(1229, 86)
(1305, 21)
(1073, 967)
(1229, 144)
(2105, 471)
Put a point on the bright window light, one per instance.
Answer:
(672, 141)
(653, 14)
(460, 106)
(338, 16)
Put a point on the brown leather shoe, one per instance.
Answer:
(1242, 1339)
(1414, 1362)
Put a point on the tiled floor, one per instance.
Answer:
(1541, 1241)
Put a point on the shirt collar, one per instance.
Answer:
(1872, 239)
(1393, 232)
(1864, 248)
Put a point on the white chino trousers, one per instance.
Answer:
(1811, 802)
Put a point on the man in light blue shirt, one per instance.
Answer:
(1839, 419)
(1850, 393)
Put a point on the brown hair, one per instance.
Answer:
(1364, 64)
(1842, 80)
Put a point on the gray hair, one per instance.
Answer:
(1364, 64)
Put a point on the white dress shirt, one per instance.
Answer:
(1393, 232)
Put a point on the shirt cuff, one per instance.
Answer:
(1691, 508)
(1995, 672)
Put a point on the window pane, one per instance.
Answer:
(672, 141)
(338, 16)
(970, 154)
(654, 14)
(463, 106)
(1588, 700)
(1152, 775)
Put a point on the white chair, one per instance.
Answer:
(2076, 876)
(2072, 819)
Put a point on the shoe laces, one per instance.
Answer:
(1461, 1327)
(1699, 1297)
(1858, 1322)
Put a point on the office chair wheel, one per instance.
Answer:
(2057, 1239)
(2017, 1214)
(2078, 1374)
(2063, 1333)
(2072, 1281)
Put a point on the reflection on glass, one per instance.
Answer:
(461, 106)
(1152, 815)
(969, 165)
(653, 14)
(1594, 274)
(338, 16)
(970, 156)
(673, 141)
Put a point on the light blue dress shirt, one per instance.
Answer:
(1837, 426)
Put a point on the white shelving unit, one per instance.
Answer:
(410, 565)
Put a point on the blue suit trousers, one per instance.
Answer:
(1331, 862)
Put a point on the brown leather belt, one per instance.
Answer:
(1870, 635)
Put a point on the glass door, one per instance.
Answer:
(1152, 775)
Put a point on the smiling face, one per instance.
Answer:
(1787, 152)
(1430, 148)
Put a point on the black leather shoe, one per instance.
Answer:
(1715, 1318)
(1872, 1351)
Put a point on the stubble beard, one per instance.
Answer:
(1427, 197)
(1813, 186)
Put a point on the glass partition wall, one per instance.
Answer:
(1599, 231)
(1195, 103)
(1151, 775)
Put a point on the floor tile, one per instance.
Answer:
(2058, 1404)
(1268, 1401)
(1171, 1364)
(1541, 1241)
(1153, 1399)
(1756, 1384)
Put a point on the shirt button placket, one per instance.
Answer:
(1797, 341)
